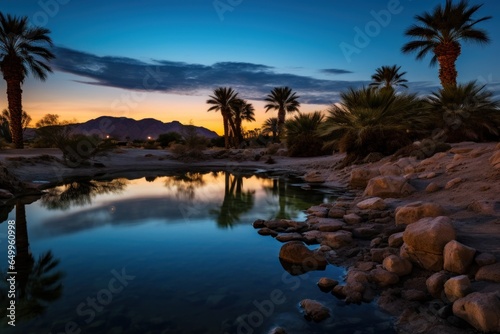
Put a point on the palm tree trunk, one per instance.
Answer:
(281, 122)
(447, 55)
(226, 130)
(12, 73)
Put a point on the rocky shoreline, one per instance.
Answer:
(408, 256)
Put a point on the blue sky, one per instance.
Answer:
(162, 58)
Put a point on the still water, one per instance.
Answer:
(167, 254)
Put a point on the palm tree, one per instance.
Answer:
(369, 120)
(388, 77)
(283, 100)
(222, 100)
(465, 112)
(302, 138)
(242, 111)
(23, 49)
(271, 126)
(441, 32)
(5, 124)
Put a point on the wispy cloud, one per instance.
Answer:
(335, 71)
(253, 81)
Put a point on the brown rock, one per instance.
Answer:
(325, 224)
(485, 259)
(457, 287)
(424, 241)
(361, 176)
(314, 310)
(338, 291)
(337, 239)
(366, 266)
(397, 265)
(318, 211)
(379, 254)
(489, 273)
(295, 252)
(495, 160)
(314, 177)
(388, 186)
(267, 231)
(367, 231)
(413, 212)
(481, 310)
(352, 219)
(327, 284)
(383, 278)
(414, 295)
(435, 283)
(450, 184)
(336, 212)
(396, 240)
(374, 203)
(432, 187)
(483, 207)
(286, 237)
(458, 257)
(313, 237)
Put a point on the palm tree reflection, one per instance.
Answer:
(80, 193)
(185, 184)
(236, 201)
(38, 282)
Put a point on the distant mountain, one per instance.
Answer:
(122, 127)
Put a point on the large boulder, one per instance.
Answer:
(314, 310)
(489, 273)
(397, 265)
(295, 252)
(424, 242)
(388, 186)
(457, 287)
(337, 239)
(481, 310)
(458, 257)
(408, 214)
(361, 176)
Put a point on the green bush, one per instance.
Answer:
(368, 120)
(302, 137)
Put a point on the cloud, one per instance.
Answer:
(335, 71)
(253, 81)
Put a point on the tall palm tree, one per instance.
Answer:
(388, 77)
(441, 32)
(242, 111)
(283, 100)
(23, 49)
(222, 100)
(5, 124)
(271, 126)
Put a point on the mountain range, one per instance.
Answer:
(123, 128)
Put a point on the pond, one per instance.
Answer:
(167, 254)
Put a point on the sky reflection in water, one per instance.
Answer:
(191, 260)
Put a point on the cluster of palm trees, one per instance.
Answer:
(382, 118)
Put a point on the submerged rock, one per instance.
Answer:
(314, 310)
(296, 258)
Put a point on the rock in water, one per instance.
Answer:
(314, 310)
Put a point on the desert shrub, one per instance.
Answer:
(193, 145)
(165, 139)
(464, 112)
(302, 137)
(368, 120)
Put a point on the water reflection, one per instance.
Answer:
(80, 193)
(185, 184)
(236, 201)
(38, 282)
